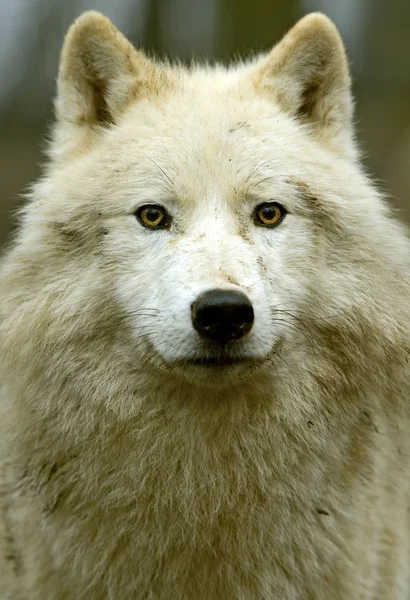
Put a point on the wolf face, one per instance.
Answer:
(246, 169)
(216, 211)
(213, 195)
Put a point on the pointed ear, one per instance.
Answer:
(307, 74)
(100, 74)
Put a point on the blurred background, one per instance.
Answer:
(376, 33)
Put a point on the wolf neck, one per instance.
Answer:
(201, 457)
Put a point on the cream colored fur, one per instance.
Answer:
(128, 473)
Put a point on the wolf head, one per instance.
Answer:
(209, 219)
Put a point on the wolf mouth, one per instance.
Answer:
(219, 361)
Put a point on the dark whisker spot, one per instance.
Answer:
(321, 511)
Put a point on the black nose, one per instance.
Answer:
(222, 315)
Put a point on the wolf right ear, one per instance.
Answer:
(100, 73)
(307, 75)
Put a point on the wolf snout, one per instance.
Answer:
(222, 315)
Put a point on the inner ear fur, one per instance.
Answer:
(307, 75)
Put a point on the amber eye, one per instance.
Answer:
(269, 214)
(153, 216)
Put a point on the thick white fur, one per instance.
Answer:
(127, 473)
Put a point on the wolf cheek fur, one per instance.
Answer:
(134, 466)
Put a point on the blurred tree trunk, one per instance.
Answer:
(253, 26)
(383, 91)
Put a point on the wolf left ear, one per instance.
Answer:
(307, 74)
(100, 74)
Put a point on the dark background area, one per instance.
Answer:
(376, 34)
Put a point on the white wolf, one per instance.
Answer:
(204, 338)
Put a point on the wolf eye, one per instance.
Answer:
(269, 214)
(153, 216)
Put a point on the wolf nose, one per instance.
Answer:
(222, 315)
